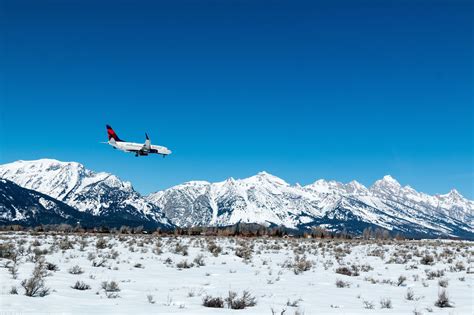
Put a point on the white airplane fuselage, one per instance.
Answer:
(139, 149)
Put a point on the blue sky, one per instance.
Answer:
(302, 89)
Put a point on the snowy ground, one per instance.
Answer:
(296, 275)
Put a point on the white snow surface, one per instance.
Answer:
(268, 275)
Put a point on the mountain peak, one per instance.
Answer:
(265, 176)
(355, 187)
(387, 180)
(390, 179)
(454, 192)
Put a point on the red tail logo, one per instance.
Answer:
(111, 134)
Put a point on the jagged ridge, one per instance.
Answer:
(100, 194)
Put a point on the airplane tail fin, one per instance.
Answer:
(112, 135)
(147, 142)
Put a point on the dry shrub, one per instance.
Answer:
(385, 303)
(214, 249)
(301, 264)
(79, 285)
(238, 303)
(76, 270)
(443, 300)
(34, 286)
(111, 286)
(214, 302)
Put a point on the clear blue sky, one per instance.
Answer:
(302, 89)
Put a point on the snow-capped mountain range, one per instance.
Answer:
(266, 199)
(263, 199)
(18, 204)
(100, 194)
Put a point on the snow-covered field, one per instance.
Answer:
(145, 274)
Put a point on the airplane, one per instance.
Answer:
(137, 148)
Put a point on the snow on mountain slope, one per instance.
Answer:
(267, 199)
(100, 194)
(22, 206)
(263, 199)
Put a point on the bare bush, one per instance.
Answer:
(181, 249)
(214, 248)
(427, 260)
(13, 270)
(214, 302)
(65, 244)
(459, 266)
(13, 290)
(244, 252)
(111, 286)
(184, 265)
(342, 284)
(150, 299)
(7, 250)
(343, 270)
(99, 262)
(199, 260)
(238, 303)
(431, 274)
(76, 270)
(368, 305)
(385, 303)
(410, 295)
(157, 249)
(101, 243)
(52, 267)
(443, 300)
(301, 264)
(294, 303)
(35, 286)
(401, 280)
(79, 285)
(443, 283)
